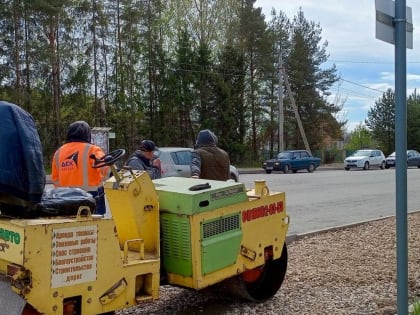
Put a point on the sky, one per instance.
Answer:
(366, 65)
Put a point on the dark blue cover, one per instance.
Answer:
(22, 171)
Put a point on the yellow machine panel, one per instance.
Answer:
(79, 259)
(242, 238)
(86, 264)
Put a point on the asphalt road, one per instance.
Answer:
(327, 199)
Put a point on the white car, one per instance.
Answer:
(175, 161)
(365, 159)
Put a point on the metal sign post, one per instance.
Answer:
(394, 25)
(386, 22)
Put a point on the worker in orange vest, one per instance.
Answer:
(72, 164)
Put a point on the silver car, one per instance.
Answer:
(175, 161)
(365, 159)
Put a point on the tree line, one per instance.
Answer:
(163, 70)
(378, 129)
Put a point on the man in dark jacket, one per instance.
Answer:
(143, 159)
(208, 161)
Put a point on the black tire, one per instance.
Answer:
(347, 168)
(294, 171)
(387, 166)
(264, 287)
(311, 168)
(366, 166)
(286, 168)
(268, 172)
(29, 310)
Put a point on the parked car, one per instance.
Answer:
(292, 160)
(413, 159)
(365, 159)
(175, 161)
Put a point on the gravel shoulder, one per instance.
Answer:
(346, 271)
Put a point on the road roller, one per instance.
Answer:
(58, 257)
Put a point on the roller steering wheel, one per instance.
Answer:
(108, 159)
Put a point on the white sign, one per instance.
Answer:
(385, 30)
(74, 255)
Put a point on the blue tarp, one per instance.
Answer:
(22, 171)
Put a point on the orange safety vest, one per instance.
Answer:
(72, 166)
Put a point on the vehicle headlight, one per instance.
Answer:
(277, 163)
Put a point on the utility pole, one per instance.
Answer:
(281, 107)
(295, 109)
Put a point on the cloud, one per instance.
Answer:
(413, 77)
(389, 76)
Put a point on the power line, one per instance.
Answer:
(353, 93)
(363, 86)
(369, 62)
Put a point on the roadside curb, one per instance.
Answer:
(324, 167)
(295, 237)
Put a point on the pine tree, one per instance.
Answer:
(256, 45)
(279, 27)
(227, 90)
(381, 121)
(413, 121)
(310, 83)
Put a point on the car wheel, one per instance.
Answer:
(387, 166)
(382, 165)
(366, 166)
(294, 171)
(233, 177)
(268, 172)
(311, 168)
(286, 169)
(347, 168)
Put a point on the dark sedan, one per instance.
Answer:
(293, 160)
(413, 159)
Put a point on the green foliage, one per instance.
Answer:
(360, 138)
(227, 90)
(162, 70)
(381, 121)
(413, 121)
(254, 39)
(415, 308)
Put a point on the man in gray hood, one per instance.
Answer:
(208, 161)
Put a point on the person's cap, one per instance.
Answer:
(147, 146)
(79, 130)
